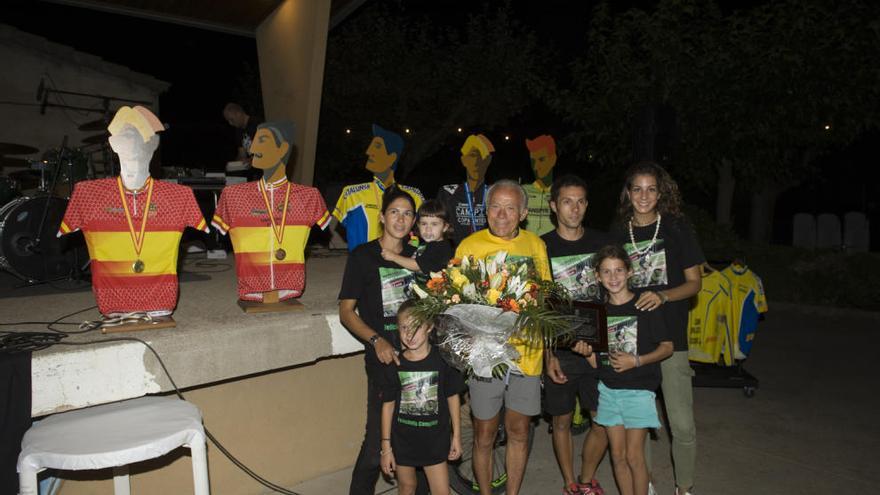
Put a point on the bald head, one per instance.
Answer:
(506, 207)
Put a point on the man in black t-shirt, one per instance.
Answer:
(246, 128)
(466, 202)
(570, 248)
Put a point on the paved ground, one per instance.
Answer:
(810, 428)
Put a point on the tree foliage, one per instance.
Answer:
(405, 71)
(757, 86)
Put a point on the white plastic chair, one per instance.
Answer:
(114, 436)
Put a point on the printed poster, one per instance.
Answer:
(419, 396)
(394, 282)
(576, 273)
(623, 333)
(650, 268)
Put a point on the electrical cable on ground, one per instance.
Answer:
(14, 342)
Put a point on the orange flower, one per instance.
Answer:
(436, 284)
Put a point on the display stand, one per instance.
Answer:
(156, 324)
(270, 304)
(713, 375)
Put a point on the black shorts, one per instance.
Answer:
(583, 383)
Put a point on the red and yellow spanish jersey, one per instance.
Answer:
(96, 208)
(242, 213)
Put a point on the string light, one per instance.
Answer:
(348, 131)
(406, 130)
(507, 138)
(827, 127)
(459, 129)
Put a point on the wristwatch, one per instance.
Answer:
(663, 297)
(375, 338)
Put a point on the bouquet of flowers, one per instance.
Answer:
(478, 305)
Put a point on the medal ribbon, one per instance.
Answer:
(470, 201)
(278, 230)
(137, 239)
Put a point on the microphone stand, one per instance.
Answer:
(35, 246)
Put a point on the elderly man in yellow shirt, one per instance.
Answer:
(506, 207)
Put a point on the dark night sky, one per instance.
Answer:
(204, 68)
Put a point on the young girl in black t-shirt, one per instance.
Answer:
(629, 373)
(420, 416)
(434, 229)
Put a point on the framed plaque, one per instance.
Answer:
(589, 323)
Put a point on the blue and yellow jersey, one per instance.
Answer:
(359, 207)
(748, 302)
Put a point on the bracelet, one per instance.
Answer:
(384, 452)
(384, 439)
(638, 361)
(663, 297)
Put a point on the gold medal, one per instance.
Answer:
(137, 238)
(138, 266)
(277, 227)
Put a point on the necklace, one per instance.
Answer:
(137, 238)
(632, 237)
(277, 229)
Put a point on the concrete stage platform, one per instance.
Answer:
(214, 340)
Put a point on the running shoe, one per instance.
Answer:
(591, 488)
(572, 489)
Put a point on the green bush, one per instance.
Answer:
(828, 278)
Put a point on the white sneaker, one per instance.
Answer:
(676, 492)
(651, 490)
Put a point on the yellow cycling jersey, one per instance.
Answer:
(526, 244)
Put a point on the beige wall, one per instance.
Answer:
(288, 426)
(27, 59)
(291, 44)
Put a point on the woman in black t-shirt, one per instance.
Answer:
(376, 288)
(666, 262)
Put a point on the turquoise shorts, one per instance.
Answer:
(630, 408)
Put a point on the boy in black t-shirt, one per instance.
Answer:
(629, 373)
(421, 414)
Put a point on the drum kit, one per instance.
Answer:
(33, 199)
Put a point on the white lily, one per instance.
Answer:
(469, 291)
(500, 256)
(419, 292)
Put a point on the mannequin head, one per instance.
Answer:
(476, 155)
(383, 153)
(133, 137)
(271, 148)
(542, 151)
